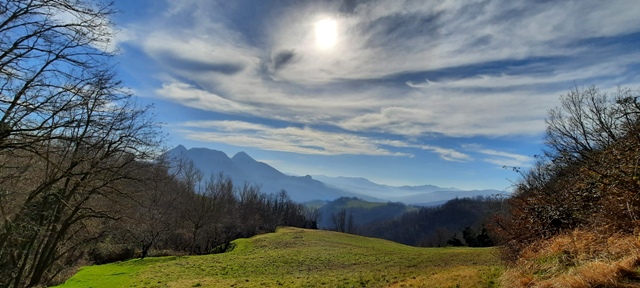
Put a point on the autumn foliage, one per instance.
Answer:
(586, 185)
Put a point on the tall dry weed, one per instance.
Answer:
(578, 259)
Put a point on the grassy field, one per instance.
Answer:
(294, 257)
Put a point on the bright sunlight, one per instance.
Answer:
(326, 33)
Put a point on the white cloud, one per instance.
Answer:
(447, 154)
(288, 139)
(501, 158)
(213, 66)
(189, 95)
(612, 68)
(304, 140)
(458, 33)
(106, 37)
(460, 114)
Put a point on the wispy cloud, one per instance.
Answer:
(615, 68)
(447, 154)
(373, 79)
(501, 158)
(289, 139)
(305, 140)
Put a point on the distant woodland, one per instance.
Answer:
(458, 222)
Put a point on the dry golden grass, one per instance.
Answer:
(578, 259)
(465, 277)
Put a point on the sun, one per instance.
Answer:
(326, 33)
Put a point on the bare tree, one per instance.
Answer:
(339, 220)
(70, 135)
(312, 214)
(588, 120)
(151, 215)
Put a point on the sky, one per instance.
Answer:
(446, 93)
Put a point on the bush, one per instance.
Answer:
(588, 177)
(107, 253)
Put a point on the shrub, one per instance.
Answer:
(588, 177)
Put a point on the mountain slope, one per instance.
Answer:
(241, 168)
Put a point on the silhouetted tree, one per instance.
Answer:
(484, 239)
(455, 241)
(469, 237)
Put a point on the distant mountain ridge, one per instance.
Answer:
(424, 195)
(242, 168)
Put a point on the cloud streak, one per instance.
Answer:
(288, 139)
(494, 68)
(501, 158)
(305, 140)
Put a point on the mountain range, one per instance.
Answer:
(241, 168)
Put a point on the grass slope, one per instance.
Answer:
(294, 257)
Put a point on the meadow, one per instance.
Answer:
(293, 257)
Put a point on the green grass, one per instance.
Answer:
(304, 258)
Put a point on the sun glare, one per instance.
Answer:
(326, 33)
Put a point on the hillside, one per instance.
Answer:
(303, 258)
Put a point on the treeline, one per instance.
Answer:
(151, 209)
(458, 222)
(180, 212)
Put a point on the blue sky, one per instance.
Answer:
(399, 92)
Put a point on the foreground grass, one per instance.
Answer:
(304, 258)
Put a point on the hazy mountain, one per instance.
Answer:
(440, 197)
(417, 195)
(244, 169)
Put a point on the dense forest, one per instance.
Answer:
(458, 222)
